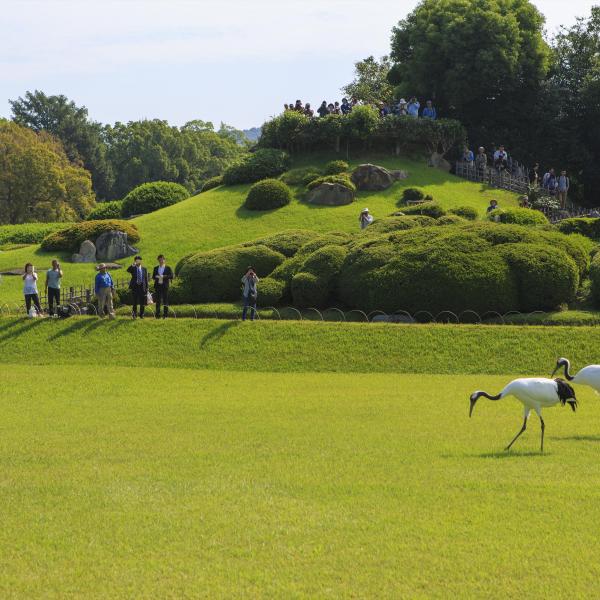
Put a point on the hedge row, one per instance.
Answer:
(27, 233)
(262, 164)
(69, 239)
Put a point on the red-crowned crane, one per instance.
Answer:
(535, 393)
(589, 375)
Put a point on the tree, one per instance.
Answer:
(37, 180)
(481, 61)
(370, 84)
(81, 138)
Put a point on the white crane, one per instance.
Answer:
(535, 393)
(589, 375)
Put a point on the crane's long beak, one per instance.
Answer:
(472, 406)
(555, 369)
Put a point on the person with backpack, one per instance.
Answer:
(249, 292)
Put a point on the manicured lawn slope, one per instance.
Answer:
(216, 218)
(297, 346)
(172, 483)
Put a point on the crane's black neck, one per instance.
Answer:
(486, 395)
(568, 375)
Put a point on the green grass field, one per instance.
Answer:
(186, 459)
(215, 219)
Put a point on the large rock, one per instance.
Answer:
(113, 245)
(372, 178)
(439, 162)
(330, 194)
(86, 254)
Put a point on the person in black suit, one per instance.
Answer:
(138, 286)
(162, 276)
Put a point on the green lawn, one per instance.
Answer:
(216, 218)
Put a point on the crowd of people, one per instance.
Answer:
(139, 287)
(412, 108)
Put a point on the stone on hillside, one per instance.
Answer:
(330, 194)
(372, 178)
(112, 266)
(113, 245)
(86, 254)
(437, 161)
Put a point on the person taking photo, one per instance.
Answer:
(30, 290)
(52, 286)
(249, 292)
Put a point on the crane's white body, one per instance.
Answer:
(589, 376)
(534, 393)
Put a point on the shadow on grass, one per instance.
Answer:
(25, 326)
(578, 438)
(500, 454)
(217, 333)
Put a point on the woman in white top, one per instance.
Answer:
(30, 289)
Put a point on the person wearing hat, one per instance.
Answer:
(138, 286)
(401, 110)
(162, 275)
(365, 219)
(104, 290)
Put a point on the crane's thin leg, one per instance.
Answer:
(518, 434)
(543, 428)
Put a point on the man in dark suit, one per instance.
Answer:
(138, 286)
(162, 276)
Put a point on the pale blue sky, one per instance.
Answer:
(231, 60)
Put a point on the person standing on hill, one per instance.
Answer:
(562, 188)
(429, 111)
(30, 290)
(104, 289)
(138, 286)
(52, 286)
(249, 292)
(162, 275)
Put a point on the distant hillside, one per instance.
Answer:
(252, 134)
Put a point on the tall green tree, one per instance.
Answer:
(81, 138)
(481, 61)
(370, 84)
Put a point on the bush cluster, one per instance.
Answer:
(335, 167)
(595, 279)
(262, 164)
(212, 183)
(298, 176)
(27, 233)
(149, 197)
(466, 212)
(399, 223)
(429, 209)
(343, 180)
(590, 227)
(267, 195)
(106, 210)
(412, 194)
(69, 239)
(517, 216)
(286, 242)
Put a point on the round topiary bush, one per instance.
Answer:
(517, 216)
(106, 210)
(335, 167)
(343, 180)
(286, 242)
(310, 177)
(412, 194)
(262, 164)
(271, 292)
(399, 223)
(429, 209)
(466, 212)
(587, 226)
(546, 277)
(215, 275)
(267, 195)
(212, 183)
(70, 238)
(308, 290)
(451, 220)
(149, 197)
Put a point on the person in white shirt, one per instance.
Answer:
(30, 290)
(365, 219)
(162, 276)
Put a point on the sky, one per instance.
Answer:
(236, 61)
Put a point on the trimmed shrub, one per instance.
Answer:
(413, 194)
(70, 238)
(399, 223)
(466, 212)
(268, 194)
(308, 290)
(587, 226)
(180, 292)
(336, 167)
(148, 197)
(271, 291)
(262, 164)
(343, 180)
(310, 177)
(325, 262)
(297, 176)
(595, 279)
(212, 183)
(429, 209)
(286, 242)
(517, 216)
(215, 275)
(451, 220)
(546, 277)
(28, 233)
(335, 238)
(106, 210)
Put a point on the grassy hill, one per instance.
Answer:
(215, 218)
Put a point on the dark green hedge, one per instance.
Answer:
(106, 210)
(267, 195)
(28, 233)
(590, 227)
(70, 238)
(262, 164)
(595, 279)
(336, 167)
(212, 183)
(149, 197)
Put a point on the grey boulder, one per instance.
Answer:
(113, 245)
(86, 254)
(372, 178)
(330, 194)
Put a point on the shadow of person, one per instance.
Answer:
(217, 333)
